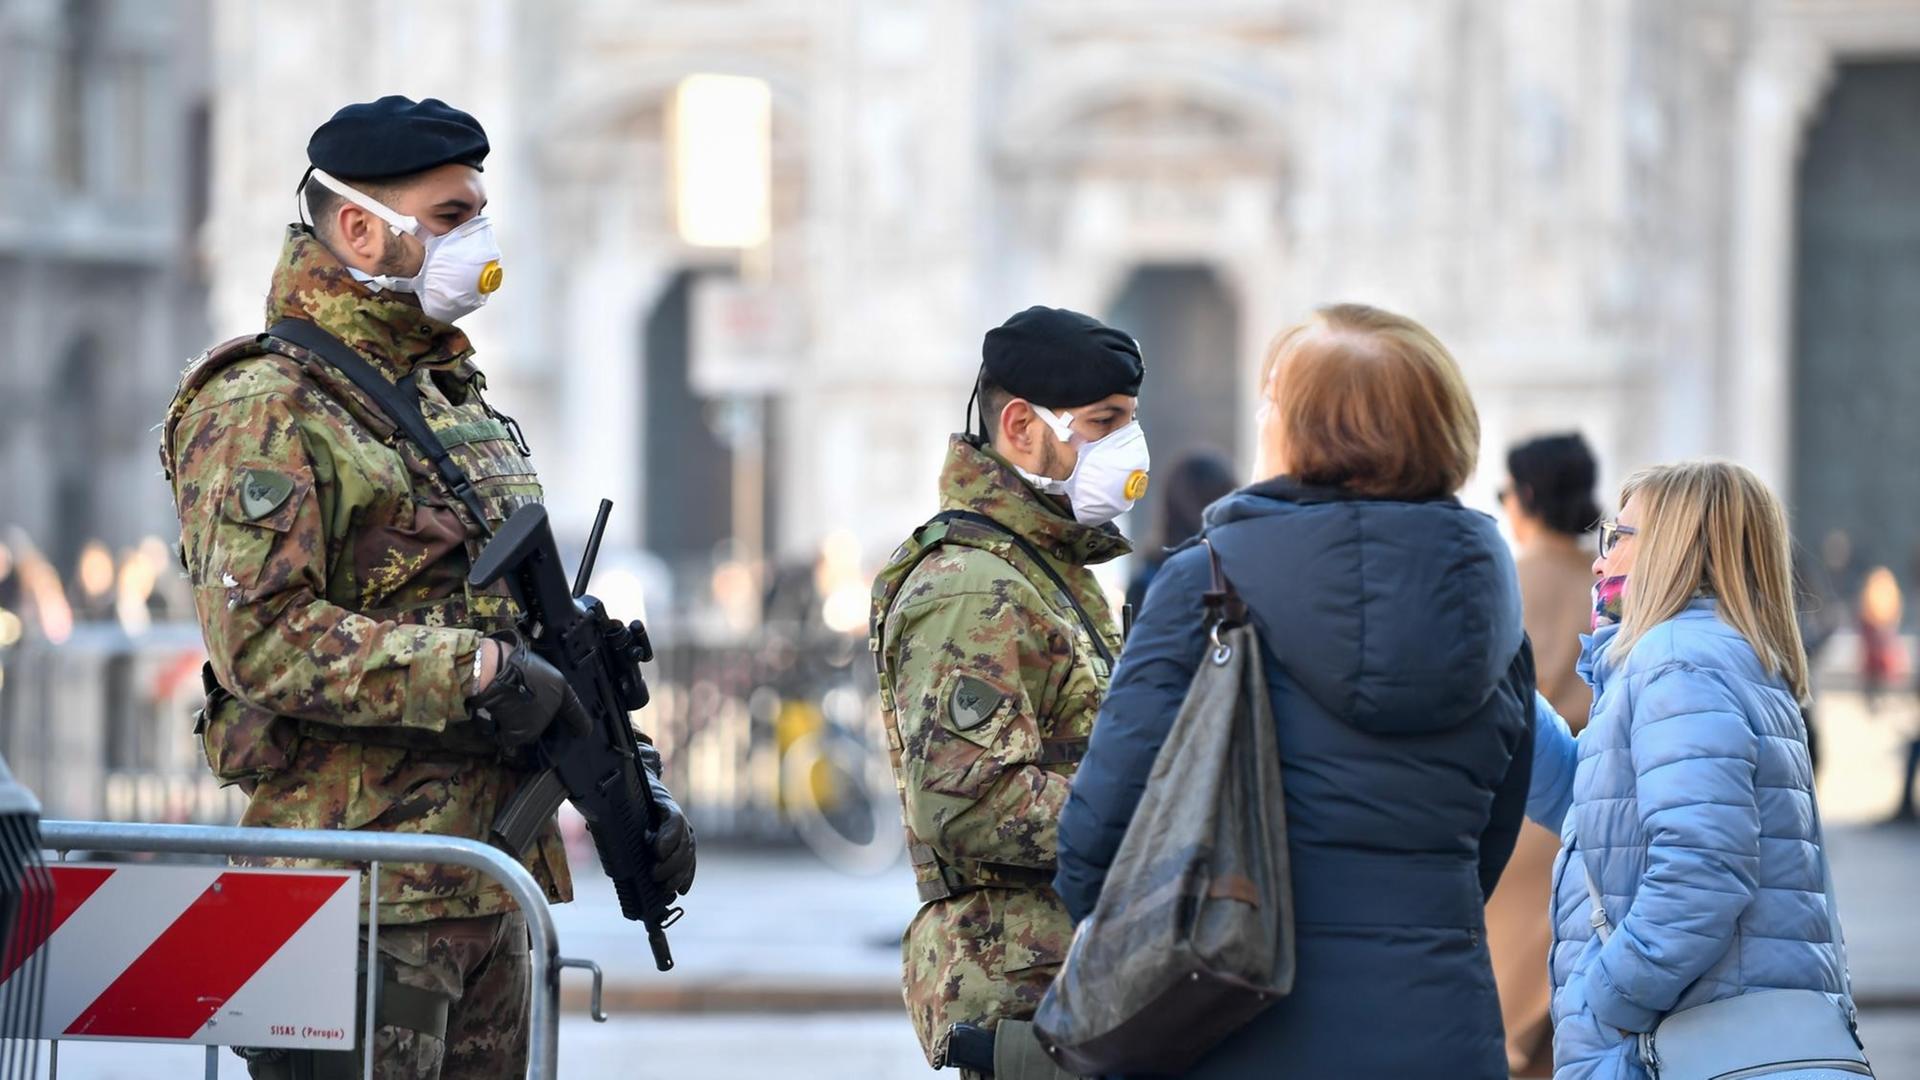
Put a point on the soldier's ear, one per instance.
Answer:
(1017, 425)
(359, 232)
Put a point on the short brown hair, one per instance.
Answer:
(1370, 401)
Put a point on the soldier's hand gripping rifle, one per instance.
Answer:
(599, 772)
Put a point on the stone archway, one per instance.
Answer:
(1856, 386)
(629, 270)
(686, 502)
(1188, 325)
(1797, 50)
(74, 425)
(1163, 201)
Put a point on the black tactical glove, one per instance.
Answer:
(525, 697)
(673, 839)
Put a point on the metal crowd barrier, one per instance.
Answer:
(26, 907)
(543, 1043)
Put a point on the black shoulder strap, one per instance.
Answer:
(1033, 553)
(400, 401)
(1222, 601)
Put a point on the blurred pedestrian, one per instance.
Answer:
(1882, 664)
(9, 582)
(1186, 490)
(1843, 566)
(1817, 585)
(1687, 797)
(994, 651)
(1821, 613)
(1905, 811)
(1550, 507)
(1396, 660)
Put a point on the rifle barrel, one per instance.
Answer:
(592, 553)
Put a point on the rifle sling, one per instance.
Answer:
(399, 401)
(1033, 553)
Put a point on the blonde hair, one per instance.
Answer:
(1370, 401)
(1713, 527)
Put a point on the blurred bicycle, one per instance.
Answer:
(836, 787)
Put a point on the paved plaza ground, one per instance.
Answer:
(790, 969)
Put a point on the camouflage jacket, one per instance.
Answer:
(329, 568)
(990, 682)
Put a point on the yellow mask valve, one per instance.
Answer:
(1136, 485)
(490, 278)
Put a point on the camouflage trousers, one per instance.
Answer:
(478, 967)
(979, 958)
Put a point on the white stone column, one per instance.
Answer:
(897, 176)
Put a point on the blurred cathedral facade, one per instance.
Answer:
(1605, 207)
(104, 126)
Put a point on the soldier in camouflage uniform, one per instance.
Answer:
(994, 644)
(355, 679)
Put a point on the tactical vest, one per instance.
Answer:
(244, 744)
(934, 877)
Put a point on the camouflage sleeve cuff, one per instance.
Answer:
(439, 675)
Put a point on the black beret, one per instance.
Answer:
(396, 136)
(1061, 359)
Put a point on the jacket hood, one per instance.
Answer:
(1398, 617)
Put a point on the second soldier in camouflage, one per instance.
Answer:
(994, 645)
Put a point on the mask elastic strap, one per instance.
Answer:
(398, 222)
(1060, 423)
(299, 202)
(972, 403)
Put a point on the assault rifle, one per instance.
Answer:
(599, 772)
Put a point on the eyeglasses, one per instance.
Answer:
(1611, 533)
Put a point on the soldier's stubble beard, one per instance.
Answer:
(397, 259)
(1053, 461)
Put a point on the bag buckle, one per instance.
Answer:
(1222, 652)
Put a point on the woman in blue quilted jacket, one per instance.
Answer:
(1689, 796)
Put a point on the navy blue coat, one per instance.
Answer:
(1402, 693)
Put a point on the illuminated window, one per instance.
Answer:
(723, 160)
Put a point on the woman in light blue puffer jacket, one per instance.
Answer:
(1689, 794)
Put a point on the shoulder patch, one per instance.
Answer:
(972, 701)
(262, 491)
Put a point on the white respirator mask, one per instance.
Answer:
(460, 271)
(1109, 476)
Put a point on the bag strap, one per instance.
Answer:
(1603, 925)
(1225, 609)
(1033, 553)
(1222, 600)
(1597, 916)
(400, 401)
(1833, 905)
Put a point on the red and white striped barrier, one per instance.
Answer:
(198, 954)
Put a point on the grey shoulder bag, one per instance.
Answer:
(1801, 1033)
(1192, 936)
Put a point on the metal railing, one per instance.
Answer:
(543, 1041)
